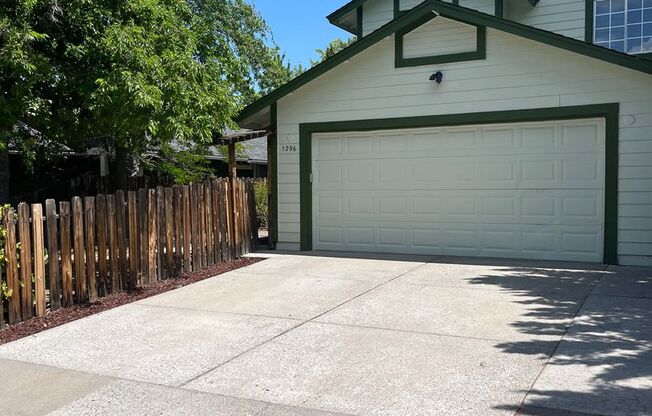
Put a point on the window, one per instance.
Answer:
(624, 25)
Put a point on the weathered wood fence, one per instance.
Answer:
(87, 248)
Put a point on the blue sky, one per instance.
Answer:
(300, 26)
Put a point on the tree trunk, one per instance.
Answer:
(5, 185)
(124, 167)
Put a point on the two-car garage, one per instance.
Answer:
(520, 190)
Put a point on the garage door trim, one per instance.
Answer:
(607, 111)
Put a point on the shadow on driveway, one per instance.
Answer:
(603, 365)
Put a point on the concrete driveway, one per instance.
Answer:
(309, 335)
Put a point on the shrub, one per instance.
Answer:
(262, 206)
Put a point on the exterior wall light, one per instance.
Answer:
(437, 77)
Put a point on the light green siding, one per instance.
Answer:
(565, 17)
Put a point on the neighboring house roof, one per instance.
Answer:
(453, 11)
(254, 152)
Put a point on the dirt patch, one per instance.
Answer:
(65, 315)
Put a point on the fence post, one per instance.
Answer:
(208, 210)
(66, 254)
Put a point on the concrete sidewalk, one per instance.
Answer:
(397, 335)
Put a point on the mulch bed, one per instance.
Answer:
(65, 315)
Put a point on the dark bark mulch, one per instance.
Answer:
(65, 315)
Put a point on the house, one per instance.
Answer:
(502, 128)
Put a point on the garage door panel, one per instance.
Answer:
(579, 136)
(563, 207)
(544, 171)
(528, 190)
(456, 239)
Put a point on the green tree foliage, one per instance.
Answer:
(136, 75)
(333, 47)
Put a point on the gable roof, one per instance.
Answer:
(459, 13)
(346, 16)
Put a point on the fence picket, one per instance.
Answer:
(121, 230)
(160, 235)
(133, 239)
(25, 261)
(187, 239)
(208, 209)
(79, 252)
(114, 252)
(102, 262)
(194, 227)
(143, 253)
(66, 254)
(178, 226)
(169, 234)
(12, 268)
(91, 269)
(39, 259)
(53, 254)
(152, 236)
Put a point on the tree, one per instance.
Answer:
(143, 77)
(333, 47)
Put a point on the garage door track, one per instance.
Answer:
(330, 334)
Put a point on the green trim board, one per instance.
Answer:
(401, 62)
(609, 112)
(273, 176)
(589, 8)
(499, 9)
(451, 11)
(350, 7)
(359, 33)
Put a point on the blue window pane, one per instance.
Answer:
(617, 5)
(647, 15)
(634, 31)
(647, 29)
(602, 35)
(633, 45)
(617, 33)
(619, 46)
(601, 7)
(647, 45)
(617, 19)
(602, 21)
(634, 4)
(603, 44)
(647, 3)
(634, 16)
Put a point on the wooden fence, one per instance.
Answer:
(82, 250)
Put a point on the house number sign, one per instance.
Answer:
(289, 148)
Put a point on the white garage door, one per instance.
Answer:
(527, 190)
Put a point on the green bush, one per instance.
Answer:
(262, 207)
